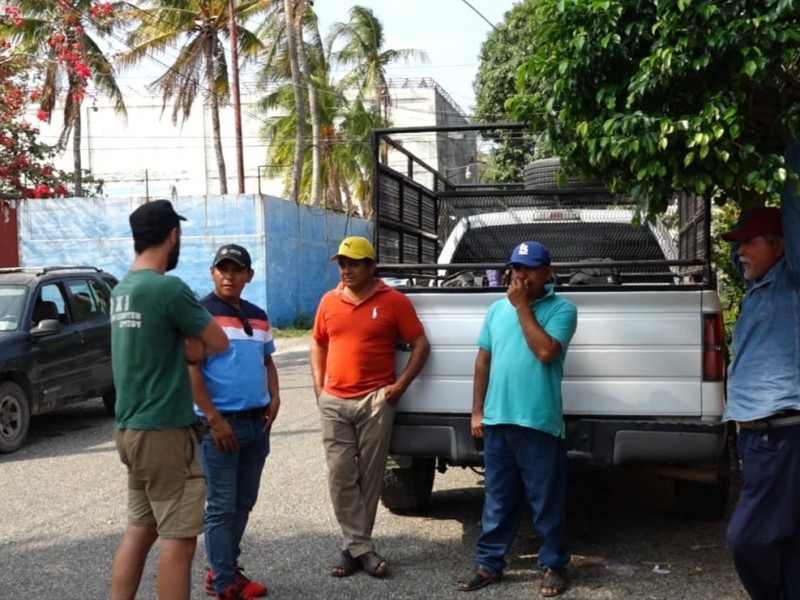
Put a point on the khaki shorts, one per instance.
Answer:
(166, 487)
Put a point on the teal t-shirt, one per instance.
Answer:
(151, 314)
(523, 390)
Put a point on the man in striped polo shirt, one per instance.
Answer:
(242, 383)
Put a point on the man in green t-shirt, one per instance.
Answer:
(157, 326)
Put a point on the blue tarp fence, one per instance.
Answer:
(290, 243)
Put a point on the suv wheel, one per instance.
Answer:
(15, 417)
(110, 401)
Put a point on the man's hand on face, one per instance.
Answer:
(519, 292)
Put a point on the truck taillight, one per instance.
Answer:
(713, 355)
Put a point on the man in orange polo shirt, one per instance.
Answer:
(356, 330)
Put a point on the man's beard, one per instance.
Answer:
(172, 259)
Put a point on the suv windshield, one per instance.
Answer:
(12, 303)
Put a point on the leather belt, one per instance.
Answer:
(250, 413)
(779, 420)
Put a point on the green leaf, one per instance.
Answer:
(750, 68)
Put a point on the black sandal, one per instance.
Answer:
(555, 579)
(480, 579)
(374, 564)
(346, 565)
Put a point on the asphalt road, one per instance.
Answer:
(63, 509)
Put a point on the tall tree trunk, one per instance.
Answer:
(77, 164)
(313, 106)
(383, 112)
(290, 7)
(332, 194)
(215, 127)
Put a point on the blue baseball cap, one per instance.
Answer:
(529, 254)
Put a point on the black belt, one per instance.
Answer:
(781, 419)
(250, 413)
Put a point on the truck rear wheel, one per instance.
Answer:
(407, 489)
(704, 501)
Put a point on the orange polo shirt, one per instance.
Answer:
(362, 339)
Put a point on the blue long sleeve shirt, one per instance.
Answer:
(764, 374)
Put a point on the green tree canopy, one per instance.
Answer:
(64, 40)
(655, 97)
(506, 48)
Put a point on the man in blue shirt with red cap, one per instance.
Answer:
(517, 410)
(764, 396)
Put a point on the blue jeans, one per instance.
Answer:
(232, 482)
(522, 463)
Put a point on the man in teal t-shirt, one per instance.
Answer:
(517, 410)
(157, 326)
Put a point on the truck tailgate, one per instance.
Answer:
(634, 354)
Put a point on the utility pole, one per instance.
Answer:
(237, 103)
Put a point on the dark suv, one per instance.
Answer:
(55, 343)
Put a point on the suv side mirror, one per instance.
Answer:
(46, 327)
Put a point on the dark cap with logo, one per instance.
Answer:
(153, 221)
(234, 253)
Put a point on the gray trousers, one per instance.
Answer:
(356, 433)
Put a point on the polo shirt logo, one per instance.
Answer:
(375, 313)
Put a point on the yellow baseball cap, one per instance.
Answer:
(355, 247)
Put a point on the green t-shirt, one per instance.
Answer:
(151, 314)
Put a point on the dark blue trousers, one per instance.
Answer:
(764, 531)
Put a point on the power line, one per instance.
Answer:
(481, 15)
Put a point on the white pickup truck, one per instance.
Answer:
(643, 379)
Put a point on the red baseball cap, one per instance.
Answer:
(759, 221)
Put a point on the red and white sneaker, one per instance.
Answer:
(246, 587)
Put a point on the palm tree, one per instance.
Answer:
(63, 38)
(345, 155)
(197, 28)
(291, 14)
(363, 50)
(308, 72)
(352, 154)
(345, 160)
(284, 34)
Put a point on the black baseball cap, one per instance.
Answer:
(154, 220)
(234, 253)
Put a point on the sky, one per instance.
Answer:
(448, 30)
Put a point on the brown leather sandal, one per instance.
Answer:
(480, 579)
(346, 565)
(553, 579)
